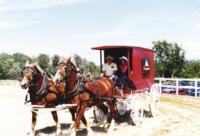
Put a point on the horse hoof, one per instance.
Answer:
(31, 133)
(106, 127)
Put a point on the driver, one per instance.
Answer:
(109, 68)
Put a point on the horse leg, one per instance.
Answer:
(73, 111)
(34, 118)
(113, 115)
(83, 119)
(80, 112)
(55, 117)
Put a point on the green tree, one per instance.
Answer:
(169, 59)
(14, 71)
(93, 68)
(55, 60)
(21, 59)
(86, 66)
(6, 63)
(43, 61)
(191, 69)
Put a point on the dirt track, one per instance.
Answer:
(179, 116)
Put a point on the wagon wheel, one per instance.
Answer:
(155, 96)
(137, 112)
(99, 115)
(137, 116)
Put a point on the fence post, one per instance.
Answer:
(176, 87)
(160, 85)
(195, 88)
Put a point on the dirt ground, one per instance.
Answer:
(179, 116)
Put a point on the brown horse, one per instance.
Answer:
(94, 93)
(44, 92)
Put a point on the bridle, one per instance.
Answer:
(66, 76)
(31, 82)
(68, 69)
(39, 93)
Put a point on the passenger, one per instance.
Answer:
(109, 68)
(122, 80)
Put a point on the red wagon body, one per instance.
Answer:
(141, 63)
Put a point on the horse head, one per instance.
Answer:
(29, 73)
(65, 70)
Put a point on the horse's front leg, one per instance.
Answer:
(34, 119)
(111, 123)
(58, 127)
(79, 115)
(73, 112)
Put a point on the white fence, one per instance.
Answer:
(179, 86)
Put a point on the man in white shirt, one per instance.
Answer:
(109, 68)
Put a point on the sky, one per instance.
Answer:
(66, 27)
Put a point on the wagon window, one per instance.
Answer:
(119, 52)
(116, 53)
(145, 66)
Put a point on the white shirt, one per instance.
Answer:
(109, 69)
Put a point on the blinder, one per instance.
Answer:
(68, 69)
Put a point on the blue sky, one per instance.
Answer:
(65, 27)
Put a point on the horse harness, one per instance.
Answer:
(80, 88)
(41, 93)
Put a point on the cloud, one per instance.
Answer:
(35, 5)
(12, 7)
(11, 24)
(115, 32)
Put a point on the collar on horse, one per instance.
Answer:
(43, 91)
(79, 87)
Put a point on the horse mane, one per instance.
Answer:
(71, 60)
(38, 68)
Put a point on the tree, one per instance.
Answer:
(191, 69)
(11, 65)
(14, 71)
(86, 66)
(55, 60)
(43, 61)
(6, 62)
(93, 68)
(169, 59)
(21, 59)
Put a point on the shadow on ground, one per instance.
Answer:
(81, 132)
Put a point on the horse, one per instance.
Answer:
(44, 92)
(92, 93)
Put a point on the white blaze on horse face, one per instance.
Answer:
(24, 81)
(58, 77)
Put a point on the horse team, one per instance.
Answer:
(67, 87)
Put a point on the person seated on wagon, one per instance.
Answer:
(109, 68)
(121, 79)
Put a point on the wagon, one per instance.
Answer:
(141, 73)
